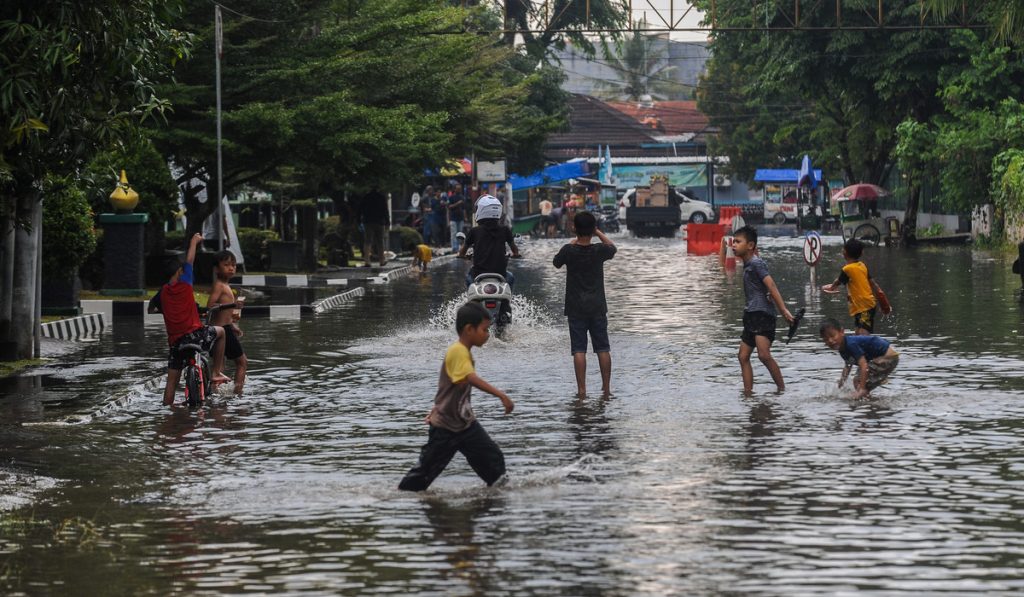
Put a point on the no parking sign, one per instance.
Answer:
(812, 248)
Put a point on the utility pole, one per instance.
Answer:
(219, 51)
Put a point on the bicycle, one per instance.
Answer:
(196, 375)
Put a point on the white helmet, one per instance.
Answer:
(487, 206)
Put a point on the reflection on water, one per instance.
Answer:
(674, 484)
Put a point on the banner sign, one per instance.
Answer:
(679, 175)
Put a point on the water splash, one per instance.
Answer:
(525, 313)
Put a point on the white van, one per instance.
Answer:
(691, 209)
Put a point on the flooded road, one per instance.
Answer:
(675, 484)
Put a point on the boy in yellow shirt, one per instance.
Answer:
(453, 426)
(860, 288)
(421, 256)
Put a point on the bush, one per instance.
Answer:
(255, 247)
(174, 240)
(69, 237)
(410, 238)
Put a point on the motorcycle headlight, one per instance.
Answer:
(490, 289)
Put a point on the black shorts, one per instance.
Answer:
(865, 320)
(598, 328)
(757, 323)
(205, 337)
(232, 346)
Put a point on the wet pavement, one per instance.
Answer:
(675, 484)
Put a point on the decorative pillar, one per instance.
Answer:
(124, 235)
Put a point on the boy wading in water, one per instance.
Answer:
(860, 288)
(759, 315)
(585, 303)
(872, 355)
(453, 426)
(221, 295)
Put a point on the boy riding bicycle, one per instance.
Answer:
(176, 300)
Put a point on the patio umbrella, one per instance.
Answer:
(861, 191)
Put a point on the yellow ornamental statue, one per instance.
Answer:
(124, 198)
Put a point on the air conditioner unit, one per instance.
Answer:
(721, 180)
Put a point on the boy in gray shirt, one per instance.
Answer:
(759, 315)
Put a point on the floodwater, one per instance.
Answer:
(675, 484)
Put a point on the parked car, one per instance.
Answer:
(691, 209)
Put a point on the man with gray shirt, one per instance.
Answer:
(759, 316)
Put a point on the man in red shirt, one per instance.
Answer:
(176, 300)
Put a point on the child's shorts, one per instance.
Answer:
(232, 345)
(879, 369)
(757, 323)
(598, 328)
(865, 320)
(205, 337)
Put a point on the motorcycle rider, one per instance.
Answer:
(488, 240)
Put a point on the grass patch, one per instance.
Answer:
(8, 368)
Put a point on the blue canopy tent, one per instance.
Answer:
(550, 174)
(782, 176)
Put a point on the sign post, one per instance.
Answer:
(812, 251)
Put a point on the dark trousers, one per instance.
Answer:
(479, 449)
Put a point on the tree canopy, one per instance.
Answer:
(321, 94)
(837, 96)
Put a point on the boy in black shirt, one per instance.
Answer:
(585, 305)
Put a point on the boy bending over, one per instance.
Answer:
(873, 356)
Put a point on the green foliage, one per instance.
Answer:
(410, 238)
(320, 96)
(934, 230)
(1008, 179)
(77, 74)
(255, 247)
(838, 97)
(175, 240)
(642, 61)
(973, 145)
(147, 173)
(68, 235)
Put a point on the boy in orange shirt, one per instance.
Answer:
(860, 288)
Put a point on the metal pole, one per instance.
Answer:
(219, 27)
(37, 329)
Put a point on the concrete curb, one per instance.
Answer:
(288, 281)
(74, 327)
(111, 309)
(339, 299)
(396, 273)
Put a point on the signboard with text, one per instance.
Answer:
(491, 171)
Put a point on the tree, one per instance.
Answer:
(838, 96)
(641, 61)
(973, 145)
(327, 95)
(1005, 16)
(77, 74)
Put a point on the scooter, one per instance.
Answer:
(495, 294)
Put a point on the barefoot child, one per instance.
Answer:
(585, 303)
(453, 426)
(176, 300)
(873, 355)
(763, 299)
(421, 256)
(861, 288)
(221, 295)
